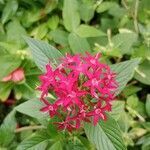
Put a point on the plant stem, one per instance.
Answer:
(135, 16)
(28, 128)
(124, 3)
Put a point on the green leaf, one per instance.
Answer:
(147, 105)
(60, 37)
(124, 71)
(117, 11)
(143, 72)
(53, 22)
(117, 109)
(77, 44)
(9, 10)
(38, 141)
(7, 66)
(142, 51)
(130, 90)
(125, 41)
(71, 16)
(86, 9)
(56, 146)
(5, 89)
(7, 129)
(15, 28)
(74, 144)
(132, 101)
(43, 53)
(144, 140)
(32, 109)
(104, 6)
(88, 31)
(40, 32)
(106, 135)
(25, 90)
(87, 144)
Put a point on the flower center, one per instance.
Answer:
(97, 111)
(51, 108)
(72, 95)
(93, 61)
(94, 82)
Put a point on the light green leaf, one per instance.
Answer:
(125, 41)
(106, 135)
(9, 10)
(88, 31)
(38, 141)
(142, 51)
(143, 72)
(117, 109)
(86, 10)
(43, 53)
(50, 6)
(147, 105)
(132, 101)
(104, 6)
(32, 109)
(7, 66)
(124, 71)
(7, 129)
(40, 32)
(15, 31)
(117, 11)
(71, 16)
(77, 44)
(53, 22)
(60, 37)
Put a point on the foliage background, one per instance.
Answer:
(120, 29)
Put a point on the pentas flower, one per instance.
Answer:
(84, 89)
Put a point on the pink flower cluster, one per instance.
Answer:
(84, 89)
